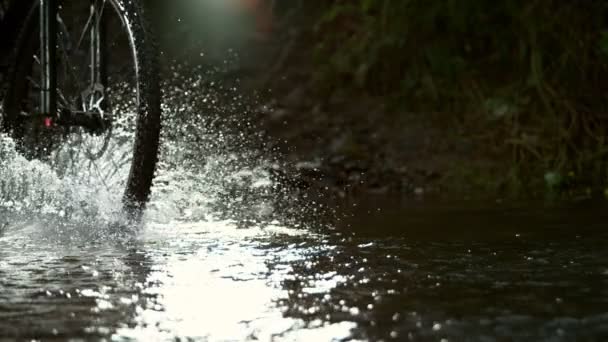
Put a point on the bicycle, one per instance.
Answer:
(83, 92)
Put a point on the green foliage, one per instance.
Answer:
(529, 77)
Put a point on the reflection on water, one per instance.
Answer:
(214, 284)
(204, 280)
(403, 279)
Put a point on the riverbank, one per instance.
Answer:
(473, 122)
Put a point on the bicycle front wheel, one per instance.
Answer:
(107, 76)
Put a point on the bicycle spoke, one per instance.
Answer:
(89, 22)
(36, 85)
(68, 67)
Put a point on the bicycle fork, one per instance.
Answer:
(48, 60)
(93, 104)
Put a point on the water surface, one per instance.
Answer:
(414, 271)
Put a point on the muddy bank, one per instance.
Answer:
(431, 116)
(345, 145)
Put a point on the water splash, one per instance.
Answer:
(32, 187)
(214, 164)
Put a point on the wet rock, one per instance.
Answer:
(379, 190)
(296, 99)
(278, 114)
(340, 143)
(308, 165)
(338, 159)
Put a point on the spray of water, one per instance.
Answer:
(214, 165)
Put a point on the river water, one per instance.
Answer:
(227, 253)
(416, 271)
